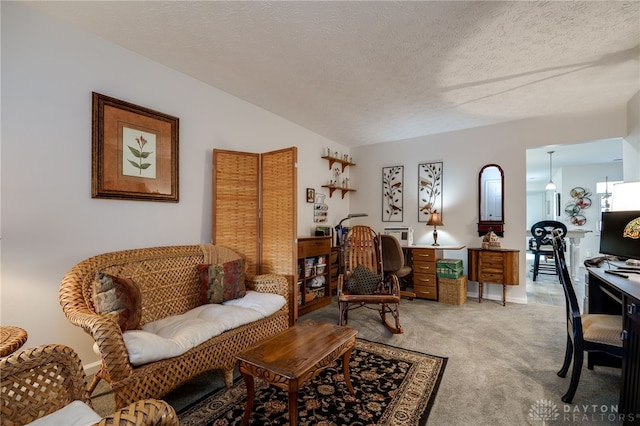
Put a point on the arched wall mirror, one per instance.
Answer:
(491, 200)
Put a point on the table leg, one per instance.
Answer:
(345, 370)
(293, 407)
(479, 292)
(504, 295)
(249, 383)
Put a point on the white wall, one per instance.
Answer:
(49, 220)
(631, 144)
(464, 153)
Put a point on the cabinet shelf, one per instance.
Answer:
(343, 163)
(342, 189)
(315, 251)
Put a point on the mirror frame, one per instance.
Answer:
(484, 226)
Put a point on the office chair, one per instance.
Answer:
(585, 333)
(393, 263)
(362, 281)
(542, 233)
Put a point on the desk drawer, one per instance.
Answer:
(488, 256)
(314, 247)
(424, 267)
(489, 277)
(424, 280)
(424, 255)
(426, 291)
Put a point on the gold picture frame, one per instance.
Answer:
(134, 152)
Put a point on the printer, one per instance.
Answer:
(404, 234)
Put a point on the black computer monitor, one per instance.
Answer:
(620, 234)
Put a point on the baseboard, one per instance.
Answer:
(520, 300)
(92, 368)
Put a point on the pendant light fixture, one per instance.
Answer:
(550, 186)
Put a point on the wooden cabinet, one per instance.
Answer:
(610, 294)
(494, 266)
(630, 388)
(314, 273)
(425, 282)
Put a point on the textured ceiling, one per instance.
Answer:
(368, 72)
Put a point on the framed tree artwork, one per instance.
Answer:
(392, 193)
(134, 152)
(429, 189)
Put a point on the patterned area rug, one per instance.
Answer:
(393, 386)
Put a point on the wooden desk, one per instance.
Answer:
(294, 356)
(617, 295)
(494, 266)
(423, 260)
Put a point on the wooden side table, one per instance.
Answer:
(494, 266)
(11, 339)
(294, 356)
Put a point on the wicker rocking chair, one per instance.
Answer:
(49, 380)
(362, 283)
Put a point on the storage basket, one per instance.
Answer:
(452, 291)
(449, 268)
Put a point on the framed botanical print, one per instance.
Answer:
(429, 189)
(134, 152)
(392, 193)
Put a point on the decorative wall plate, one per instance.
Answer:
(578, 220)
(577, 192)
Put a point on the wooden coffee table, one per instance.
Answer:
(294, 356)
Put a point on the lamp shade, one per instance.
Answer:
(435, 219)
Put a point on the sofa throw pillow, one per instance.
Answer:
(363, 281)
(211, 283)
(222, 282)
(119, 297)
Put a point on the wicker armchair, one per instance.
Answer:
(42, 380)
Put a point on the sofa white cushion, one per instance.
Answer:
(75, 414)
(265, 303)
(175, 335)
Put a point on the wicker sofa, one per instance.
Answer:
(169, 285)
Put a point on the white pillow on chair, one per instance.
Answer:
(75, 414)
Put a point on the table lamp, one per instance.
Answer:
(436, 220)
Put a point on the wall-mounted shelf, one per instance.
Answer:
(344, 163)
(333, 188)
(340, 161)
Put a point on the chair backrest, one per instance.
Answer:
(393, 257)
(361, 247)
(543, 231)
(573, 309)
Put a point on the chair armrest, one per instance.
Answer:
(269, 283)
(340, 286)
(103, 329)
(39, 381)
(147, 412)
